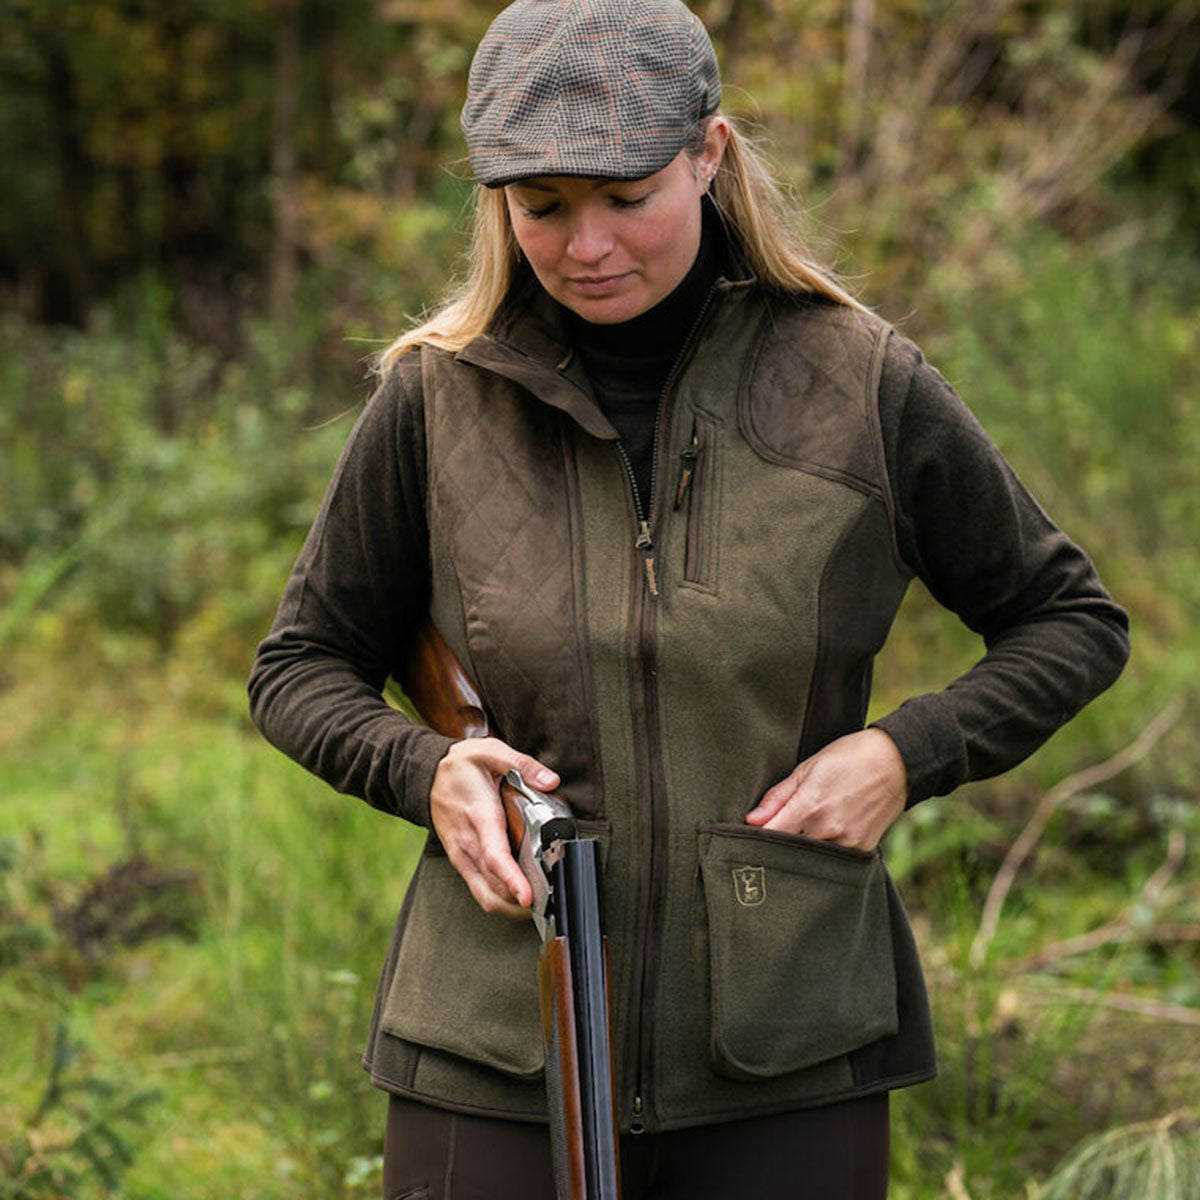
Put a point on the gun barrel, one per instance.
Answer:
(576, 905)
(573, 973)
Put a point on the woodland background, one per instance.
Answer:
(211, 213)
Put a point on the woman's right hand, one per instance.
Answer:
(468, 818)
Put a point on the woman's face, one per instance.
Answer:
(609, 250)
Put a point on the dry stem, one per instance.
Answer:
(1157, 1010)
(1122, 928)
(1082, 780)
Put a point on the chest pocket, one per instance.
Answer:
(698, 500)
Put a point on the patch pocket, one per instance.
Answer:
(465, 981)
(800, 949)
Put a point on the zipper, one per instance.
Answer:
(687, 469)
(695, 469)
(643, 543)
(648, 933)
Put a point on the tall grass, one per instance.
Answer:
(250, 1031)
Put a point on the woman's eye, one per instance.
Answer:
(536, 214)
(628, 201)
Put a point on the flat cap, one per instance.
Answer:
(606, 88)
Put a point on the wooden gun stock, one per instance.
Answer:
(442, 692)
(573, 973)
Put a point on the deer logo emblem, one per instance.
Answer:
(750, 886)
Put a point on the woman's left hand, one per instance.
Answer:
(850, 792)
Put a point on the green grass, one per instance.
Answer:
(250, 1029)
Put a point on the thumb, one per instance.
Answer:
(535, 773)
(773, 800)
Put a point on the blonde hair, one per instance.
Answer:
(749, 200)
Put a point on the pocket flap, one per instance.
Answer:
(465, 981)
(800, 949)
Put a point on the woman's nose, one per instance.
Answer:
(590, 238)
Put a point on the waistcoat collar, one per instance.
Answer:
(529, 343)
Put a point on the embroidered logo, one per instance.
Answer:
(750, 886)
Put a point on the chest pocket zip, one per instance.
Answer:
(694, 490)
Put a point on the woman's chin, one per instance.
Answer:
(607, 310)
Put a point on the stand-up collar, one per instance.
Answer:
(531, 341)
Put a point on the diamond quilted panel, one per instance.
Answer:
(499, 509)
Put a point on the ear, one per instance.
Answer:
(716, 138)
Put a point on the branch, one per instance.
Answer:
(1121, 928)
(1157, 1010)
(1105, 935)
(1081, 781)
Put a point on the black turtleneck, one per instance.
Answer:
(628, 363)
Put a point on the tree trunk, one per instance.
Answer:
(284, 179)
(65, 281)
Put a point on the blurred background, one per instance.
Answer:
(212, 213)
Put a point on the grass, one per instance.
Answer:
(249, 1027)
(246, 1027)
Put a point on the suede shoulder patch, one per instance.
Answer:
(809, 393)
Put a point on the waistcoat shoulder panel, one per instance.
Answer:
(808, 396)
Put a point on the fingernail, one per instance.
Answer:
(543, 775)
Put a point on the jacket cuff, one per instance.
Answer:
(931, 744)
(425, 751)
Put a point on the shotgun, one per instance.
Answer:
(563, 870)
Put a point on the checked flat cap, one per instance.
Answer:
(607, 88)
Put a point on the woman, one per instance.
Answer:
(661, 484)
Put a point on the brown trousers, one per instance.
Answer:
(837, 1152)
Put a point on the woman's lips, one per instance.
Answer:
(598, 285)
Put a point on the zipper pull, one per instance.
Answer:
(687, 470)
(637, 1125)
(646, 546)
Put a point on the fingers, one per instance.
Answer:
(850, 792)
(494, 892)
(774, 800)
(468, 818)
(811, 800)
(488, 867)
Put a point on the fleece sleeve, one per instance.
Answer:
(970, 530)
(358, 589)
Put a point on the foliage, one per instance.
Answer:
(159, 138)
(927, 131)
(78, 1134)
(1153, 1160)
(246, 1022)
(171, 535)
(229, 144)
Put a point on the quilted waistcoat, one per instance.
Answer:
(671, 665)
